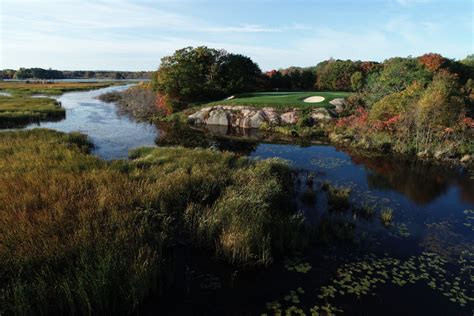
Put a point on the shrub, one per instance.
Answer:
(396, 103)
(112, 96)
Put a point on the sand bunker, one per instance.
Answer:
(315, 99)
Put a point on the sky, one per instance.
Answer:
(135, 35)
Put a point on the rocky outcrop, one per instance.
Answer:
(289, 117)
(321, 114)
(217, 117)
(251, 117)
(339, 104)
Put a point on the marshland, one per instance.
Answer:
(212, 187)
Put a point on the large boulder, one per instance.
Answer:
(257, 119)
(271, 115)
(244, 117)
(199, 117)
(289, 117)
(218, 116)
(339, 104)
(321, 114)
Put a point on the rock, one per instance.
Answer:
(339, 103)
(257, 119)
(243, 118)
(234, 107)
(207, 109)
(271, 115)
(217, 116)
(199, 117)
(321, 115)
(466, 159)
(289, 117)
(243, 122)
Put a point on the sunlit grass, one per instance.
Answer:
(56, 88)
(82, 235)
(22, 110)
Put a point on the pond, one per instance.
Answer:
(419, 263)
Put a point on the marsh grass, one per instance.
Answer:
(365, 210)
(81, 235)
(386, 216)
(338, 198)
(16, 110)
(20, 109)
(27, 89)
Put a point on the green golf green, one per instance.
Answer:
(283, 99)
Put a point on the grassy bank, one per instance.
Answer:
(17, 111)
(56, 88)
(19, 108)
(281, 100)
(81, 235)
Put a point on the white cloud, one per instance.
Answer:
(409, 2)
(121, 35)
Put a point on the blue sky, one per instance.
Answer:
(134, 35)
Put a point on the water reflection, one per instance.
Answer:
(419, 180)
(183, 135)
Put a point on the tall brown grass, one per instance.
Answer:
(85, 236)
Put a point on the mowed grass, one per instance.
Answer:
(56, 88)
(80, 235)
(15, 111)
(282, 100)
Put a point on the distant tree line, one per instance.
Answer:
(44, 74)
(193, 75)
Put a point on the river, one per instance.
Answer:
(421, 264)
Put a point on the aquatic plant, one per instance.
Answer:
(362, 277)
(469, 219)
(386, 216)
(325, 185)
(329, 162)
(403, 230)
(338, 198)
(365, 210)
(296, 264)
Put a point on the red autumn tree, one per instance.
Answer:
(433, 62)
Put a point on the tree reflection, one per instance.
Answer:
(420, 181)
(217, 137)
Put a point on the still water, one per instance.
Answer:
(112, 135)
(420, 264)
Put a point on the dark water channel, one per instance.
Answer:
(419, 264)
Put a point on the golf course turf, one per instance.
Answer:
(281, 99)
